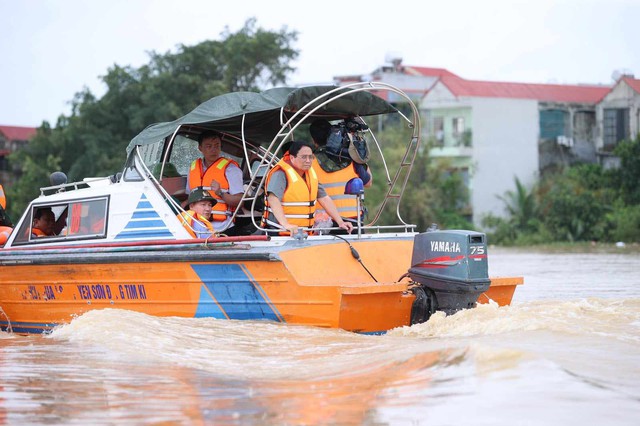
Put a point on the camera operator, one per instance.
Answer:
(334, 170)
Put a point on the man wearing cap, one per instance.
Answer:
(334, 173)
(196, 220)
(220, 176)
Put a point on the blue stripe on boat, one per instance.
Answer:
(27, 327)
(158, 233)
(207, 307)
(149, 214)
(145, 224)
(236, 292)
(144, 205)
(140, 225)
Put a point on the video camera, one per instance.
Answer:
(346, 140)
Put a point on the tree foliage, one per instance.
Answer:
(582, 203)
(571, 209)
(435, 192)
(92, 140)
(628, 176)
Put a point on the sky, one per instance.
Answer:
(52, 49)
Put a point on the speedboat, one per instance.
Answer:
(120, 244)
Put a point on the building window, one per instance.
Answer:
(584, 124)
(461, 135)
(553, 123)
(616, 127)
(437, 130)
(457, 130)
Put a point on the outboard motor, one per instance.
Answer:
(452, 270)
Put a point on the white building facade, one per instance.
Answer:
(494, 132)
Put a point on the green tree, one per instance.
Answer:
(92, 140)
(522, 220)
(627, 177)
(435, 192)
(522, 207)
(575, 205)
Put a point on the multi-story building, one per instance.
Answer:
(617, 117)
(11, 139)
(494, 132)
(414, 81)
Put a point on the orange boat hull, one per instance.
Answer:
(318, 285)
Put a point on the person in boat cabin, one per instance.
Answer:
(44, 222)
(221, 176)
(88, 223)
(6, 226)
(293, 189)
(197, 220)
(4, 218)
(334, 173)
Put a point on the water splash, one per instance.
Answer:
(613, 318)
(240, 349)
(3, 314)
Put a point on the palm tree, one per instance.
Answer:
(522, 207)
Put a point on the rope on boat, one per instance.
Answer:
(356, 256)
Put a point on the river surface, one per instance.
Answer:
(566, 352)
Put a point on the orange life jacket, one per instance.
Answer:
(5, 231)
(198, 177)
(195, 223)
(39, 233)
(334, 183)
(3, 198)
(299, 199)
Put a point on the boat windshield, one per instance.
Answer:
(78, 219)
(182, 151)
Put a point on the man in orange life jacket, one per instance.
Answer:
(219, 175)
(292, 191)
(5, 222)
(44, 223)
(196, 220)
(4, 218)
(334, 173)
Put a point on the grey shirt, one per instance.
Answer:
(278, 184)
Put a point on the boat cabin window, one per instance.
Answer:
(131, 172)
(61, 221)
(185, 150)
(151, 153)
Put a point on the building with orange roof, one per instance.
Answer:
(618, 116)
(494, 132)
(11, 139)
(413, 80)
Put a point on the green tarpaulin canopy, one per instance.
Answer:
(261, 112)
